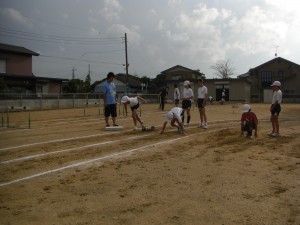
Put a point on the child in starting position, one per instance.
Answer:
(174, 116)
(249, 122)
(134, 105)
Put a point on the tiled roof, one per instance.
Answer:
(17, 49)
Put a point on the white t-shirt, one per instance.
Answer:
(133, 101)
(277, 96)
(176, 93)
(202, 92)
(175, 112)
(188, 93)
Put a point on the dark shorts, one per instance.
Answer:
(110, 110)
(249, 126)
(186, 104)
(200, 103)
(135, 107)
(176, 101)
(276, 110)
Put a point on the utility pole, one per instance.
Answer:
(73, 73)
(126, 65)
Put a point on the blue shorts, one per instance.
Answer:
(110, 110)
(200, 103)
(186, 104)
(276, 110)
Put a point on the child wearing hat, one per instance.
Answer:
(134, 105)
(249, 122)
(174, 116)
(275, 108)
(188, 96)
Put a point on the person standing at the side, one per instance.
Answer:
(275, 108)
(176, 95)
(188, 96)
(202, 96)
(163, 95)
(109, 98)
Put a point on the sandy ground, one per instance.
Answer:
(66, 169)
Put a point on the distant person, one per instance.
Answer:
(109, 98)
(174, 116)
(188, 96)
(163, 95)
(211, 100)
(176, 95)
(201, 102)
(223, 97)
(134, 103)
(275, 108)
(249, 122)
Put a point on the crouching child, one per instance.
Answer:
(249, 122)
(174, 116)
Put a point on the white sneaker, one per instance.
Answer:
(134, 128)
(205, 126)
(200, 125)
(275, 134)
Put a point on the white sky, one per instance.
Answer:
(160, 33)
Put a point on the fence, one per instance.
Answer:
(61, 100)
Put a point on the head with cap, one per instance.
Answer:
(276, 84)
(186, 83)
(246, 108)
(124, 99)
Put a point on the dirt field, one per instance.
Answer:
(67, 170)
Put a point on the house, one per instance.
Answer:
(262, 76)
(235, 89)
(16, 72)
(120, 81)
(177, 75)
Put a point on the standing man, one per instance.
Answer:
(109, 98)
(202, 96)
(176, 95)
(275, 108)
(188, 96)
(163, 95)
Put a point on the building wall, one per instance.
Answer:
(286, 72)
(17, 64)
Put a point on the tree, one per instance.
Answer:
(87, 83)
(223, 69)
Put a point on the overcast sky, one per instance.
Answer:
(161, 34)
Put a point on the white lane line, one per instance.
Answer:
(71, 149)
(59, 140)
(114, 155)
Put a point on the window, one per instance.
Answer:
(176, 77)
(266, 78)
(2, 66)
(280, 74)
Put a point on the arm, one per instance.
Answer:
(140, 98)
(163, 127)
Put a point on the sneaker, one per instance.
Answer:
(186, 125)
(205, 126)
(116, 125)
(200, 125)
(107, 125)
(275, 134)
(134, 128)
(271, 133)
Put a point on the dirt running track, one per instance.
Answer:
(67, 170)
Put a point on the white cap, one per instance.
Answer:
(276, 83)
(169, 116)
(124, 99)
(246, 108)
(186, 83)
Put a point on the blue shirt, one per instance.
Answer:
(109, 90)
